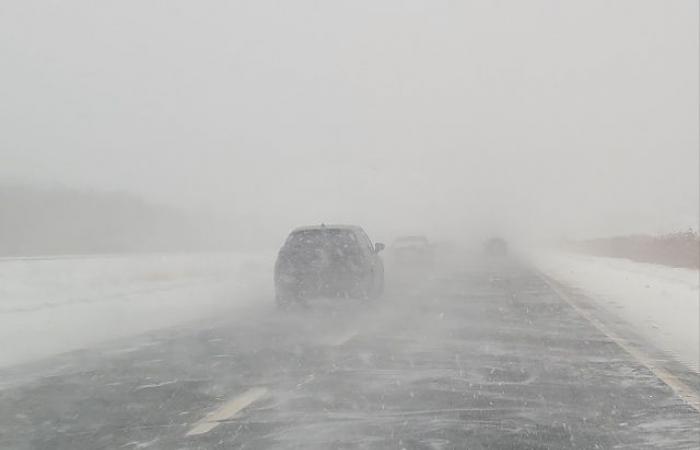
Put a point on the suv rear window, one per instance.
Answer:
(334, 241)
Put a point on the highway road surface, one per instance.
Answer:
(483, 355)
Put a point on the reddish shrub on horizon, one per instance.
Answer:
(680, 249)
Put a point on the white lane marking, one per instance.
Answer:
(155, 385)
(307, 380)
(227, 411)
(342, 339)
(685, 392)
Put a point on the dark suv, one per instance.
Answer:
(328, 261)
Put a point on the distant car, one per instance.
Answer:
(328, 261)
(496, 247)
(412, 251)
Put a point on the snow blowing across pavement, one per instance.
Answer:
(660, 303)
(56, 304)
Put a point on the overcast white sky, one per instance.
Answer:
(551, 117)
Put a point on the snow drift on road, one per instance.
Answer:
(660, 303)
(56, 304)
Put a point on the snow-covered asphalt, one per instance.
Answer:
(485, 355)
(657, 303)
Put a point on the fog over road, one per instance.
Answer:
(482, 355)
(155, 157)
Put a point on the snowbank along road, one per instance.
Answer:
(485, 355)
(659, 304)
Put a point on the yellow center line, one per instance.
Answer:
(227, 411)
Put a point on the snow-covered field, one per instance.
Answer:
(660, 303)
(55, 304)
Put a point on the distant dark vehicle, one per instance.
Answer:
(328, 261)
(496, 247)
(412, 251)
